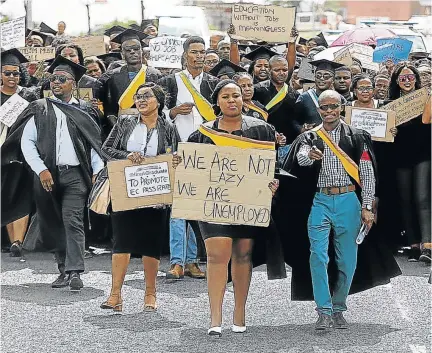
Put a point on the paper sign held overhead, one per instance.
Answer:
(38, 53)
(166, 52)
(12, 108)
(361, 52)
(259, 22)
(223, 184)
(12, 34)
(394, 49)
(375, 121)
(344, 57)
(138, 186)
(91, 45)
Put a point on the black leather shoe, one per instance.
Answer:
(75, 282)
(61, 281)
(339, 321)
(324, 322)
(16, 249)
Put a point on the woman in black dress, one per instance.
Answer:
(230, 242)
(136, 137)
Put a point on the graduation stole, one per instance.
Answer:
(279, 97)
(349, 165)
(224, 139)
(204, 107)
(254, 107)
(126, 100)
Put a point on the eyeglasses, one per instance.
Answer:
(11, 73)
(323, 76)
(144, 96)
(403, 78)
(365, 89)
(326, 107)
(61, 78)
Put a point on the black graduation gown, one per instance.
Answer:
(281, 116)
(267, 247)
(306, 111)
(375, 263)
(253, 113)
(85, 134)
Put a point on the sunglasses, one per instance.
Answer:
(365, 89)
(61, 78)
(11, 73)
(403, 78)
(326, 107)
(143, 97)
(323, 76)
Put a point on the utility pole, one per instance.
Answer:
(142, 11)
(28, 7)
(88, 19)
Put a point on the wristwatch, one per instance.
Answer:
(369, 207)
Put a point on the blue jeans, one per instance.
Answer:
(342, 213)
(183, 246)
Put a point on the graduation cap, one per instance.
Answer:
(226, 67)
(323, 40)
(109, 57)
(12, 57)
(43, 37)
(260, 53)
(302, 41)
(416, 55)
(135, 27)
(114, 30)
(326, 65)
(47, 29)
(150, 22)
(61, 63)
(129, 34)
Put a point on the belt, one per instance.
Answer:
(64, 167)
(336, 190)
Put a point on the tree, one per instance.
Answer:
(101, 28)
(285, 3)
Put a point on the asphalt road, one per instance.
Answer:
(35, 318)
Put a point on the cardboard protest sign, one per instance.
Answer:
(363, 53)
(39, 73)
(344, 57)
(80, 93)
(223, 184)
(38, 53)
(375, 121)
(259, 22)
(91, 45)
(166, 52)
(138, 186)
(306, 71)
(11, 109)
(12, 34)
(409, 106)
(394, 49)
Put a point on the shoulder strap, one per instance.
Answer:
(126, 100)
(314, 97)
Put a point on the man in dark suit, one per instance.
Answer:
(185, 115)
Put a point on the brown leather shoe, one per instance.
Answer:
(192, 270)
(176, 272)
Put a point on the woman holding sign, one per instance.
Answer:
(413, 172)
(225, 243)
(136, 137)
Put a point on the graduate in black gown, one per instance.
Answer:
(260, 67)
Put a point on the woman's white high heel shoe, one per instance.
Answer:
(238, 329)
(215, 331)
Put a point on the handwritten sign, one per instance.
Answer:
(139, 186)
(363, 53)
(91, 45)
(166, 52)
(223, 184)
(80, 93)
(260, 22)
(38, 53)
(306, 71)
(409, 106)
(11, 109)
(394, 49)
(344, 57)
(13, 34)
(375, 121)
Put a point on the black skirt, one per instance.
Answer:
(211, 230)
(139, 231)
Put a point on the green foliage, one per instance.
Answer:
(5, 19)
(101, 28)
(286, 3)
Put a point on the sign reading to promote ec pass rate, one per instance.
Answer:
(394, 49)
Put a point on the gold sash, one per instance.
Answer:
(279, 97)
(257, 109)
(223, 139)
(204, 107)
(126, 100)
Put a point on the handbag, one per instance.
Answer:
(100, 196)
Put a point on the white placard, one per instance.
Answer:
(13, 34)
(374, 122)
(166, 52)
(11, 109)
(148, 180)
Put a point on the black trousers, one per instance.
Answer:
(72, 194)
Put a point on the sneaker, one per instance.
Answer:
(426, 256)
(176, 272)
(192, 270)
(324, 322)
(61, 281)
(339, 321)
(75, 282)
(414, 254)
(16, 249)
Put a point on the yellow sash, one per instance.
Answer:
(223, 139)
(204, 107)
(279, 97)
(257, 109)
(349, 165)
(126, 100)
